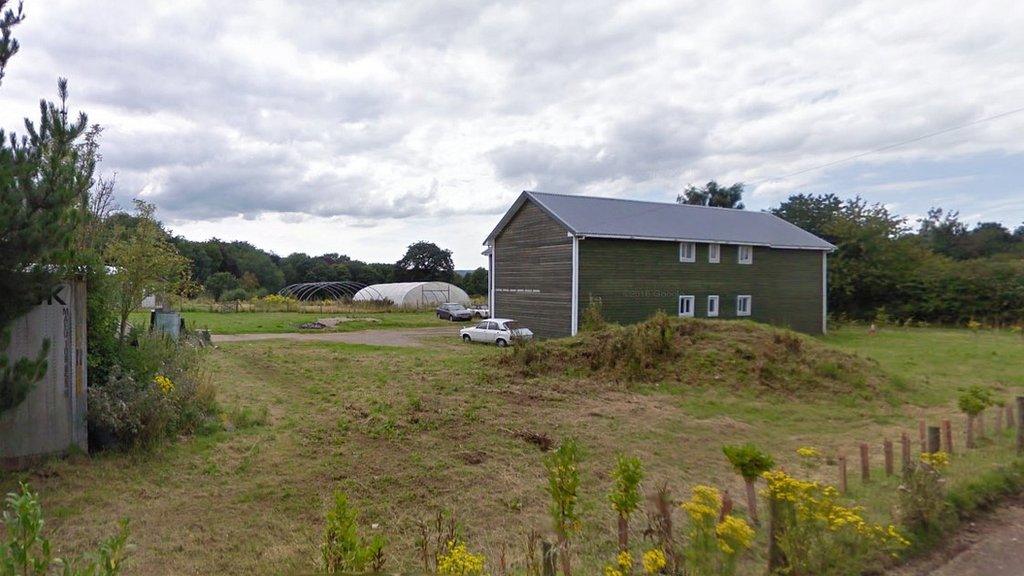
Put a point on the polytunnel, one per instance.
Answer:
(414, 294)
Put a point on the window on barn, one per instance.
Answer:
(712, 306)
(743, 304)
(714, 253)
(686, 305)
(687, 251)
(746, 255)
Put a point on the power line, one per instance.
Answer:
(890, 146)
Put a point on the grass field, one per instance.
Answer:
(408, 431)
(281, 322)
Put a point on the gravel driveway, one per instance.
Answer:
(993, 546)
(399, 337)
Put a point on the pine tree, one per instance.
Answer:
(41, 186)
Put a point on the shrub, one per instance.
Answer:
(562, 467)
(750, 463)
(155, 391)
(457, 560)
(27, 551)
(923, 509)
(818, 535)
(593, 316)
(233, 295)
(344, 550)
(625, 495)
(713, 545)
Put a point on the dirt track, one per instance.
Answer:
(993, 546)
(402, 337)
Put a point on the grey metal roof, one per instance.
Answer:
(635, 219)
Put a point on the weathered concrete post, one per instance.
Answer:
(865, 464)
(887, 449)
(934, 445)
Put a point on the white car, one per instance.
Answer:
(499, 331)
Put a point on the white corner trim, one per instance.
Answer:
(575, 285)
(491, 280)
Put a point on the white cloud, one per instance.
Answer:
(362, 127)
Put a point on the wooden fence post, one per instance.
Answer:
(1020, 427)
(1009, 416)
(947, 436)
(905, 450)
(865, 464)
(921, 426)
(934, 445)
(842, 473)
(887, 449)
(776, 558)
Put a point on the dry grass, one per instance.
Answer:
(408, 431)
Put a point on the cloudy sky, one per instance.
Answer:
(327, 126)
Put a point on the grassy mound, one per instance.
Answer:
(703, 353)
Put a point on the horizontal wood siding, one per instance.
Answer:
(533, 273)
(634, 279)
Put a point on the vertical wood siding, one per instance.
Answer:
(533, 273)
(634, 279)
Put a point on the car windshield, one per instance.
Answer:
(455, 307)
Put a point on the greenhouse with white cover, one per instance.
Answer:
(414, 294)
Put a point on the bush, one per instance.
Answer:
(923, 509)
(344, 550)
(593, 317)
(27, 551)
(713, 545)
(235, 294)
(157, 391)
(818, 535)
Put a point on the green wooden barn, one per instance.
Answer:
(552, 254)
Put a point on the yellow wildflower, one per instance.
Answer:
(459, 561)
(654, 560)
(734, 535)
(164, 383)
(612, 571)
(937, 460)
(625, 560)
(808, 452)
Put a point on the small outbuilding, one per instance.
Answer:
(413, 294)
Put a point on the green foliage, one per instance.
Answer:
(474, 283)
(146, 263)
(219, 283)
(130, 409)
(712, 194)
(344, 550)
(987, 489)
(27, 551)
(42, 180)
(712, 546)
(562, 467)
(923, 509)
(593, 316)
(625, 495)
(235, 294)
(975, 400)
(943, 273)
(748, 460)
(425, 261)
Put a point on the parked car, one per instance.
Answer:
(500, 331)
(454, 312)
(480, 311)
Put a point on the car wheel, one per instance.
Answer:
(466, 338)
(501, 342)
(451, 318)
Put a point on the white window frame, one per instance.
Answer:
(714, 253)
(693, 252)
(750, 254)
(714, 298)
(750, 304)
(692, 302)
